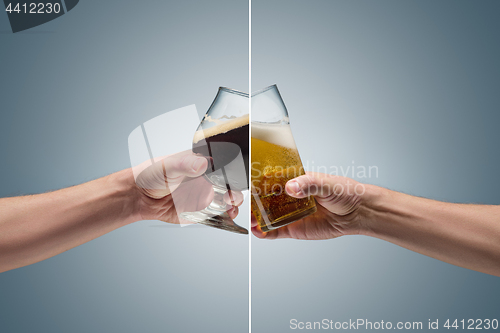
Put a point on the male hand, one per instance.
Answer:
(338, 201)
(174, 184)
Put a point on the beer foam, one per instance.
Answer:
(278, 134)
(221, 128)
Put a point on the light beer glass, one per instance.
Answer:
(275, 160)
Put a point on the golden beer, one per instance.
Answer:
(275, 160)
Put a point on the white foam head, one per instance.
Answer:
(278, 134)
(222, 127)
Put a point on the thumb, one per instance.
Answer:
(306, 185)
(184, 165)
(340, 195)
(163, 176)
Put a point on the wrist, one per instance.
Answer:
(371, 204)
(125, 190)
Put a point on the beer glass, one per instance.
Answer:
(223, 137)
(275, 160)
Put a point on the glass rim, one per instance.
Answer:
(258, 92)
(233, 91)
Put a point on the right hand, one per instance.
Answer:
(338, 201)
(175, 184)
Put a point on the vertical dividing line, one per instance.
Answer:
(250, 160)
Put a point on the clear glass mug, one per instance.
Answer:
(275, 160)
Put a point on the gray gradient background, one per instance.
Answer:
(412, 87)
(409, 86)
(71, 92)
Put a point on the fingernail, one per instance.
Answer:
(294, 187)
(197, 165)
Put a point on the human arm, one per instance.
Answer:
(37, 227)
(465, 235)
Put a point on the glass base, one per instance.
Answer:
(222, 221)
(287, 219)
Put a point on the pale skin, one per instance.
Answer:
(465, 235)
(37, 227)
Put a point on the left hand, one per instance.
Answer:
(338, 202)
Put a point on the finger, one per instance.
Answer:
(233, 212)
(253, 221)
(270, 235)
(234, 198)
(282, 232)
(340, 195)
(184, 165)
(257, 232)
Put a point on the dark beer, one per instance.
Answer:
(227, 146)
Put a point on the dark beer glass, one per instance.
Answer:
(223, 137)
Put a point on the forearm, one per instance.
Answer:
(460, 234)
(37, 227)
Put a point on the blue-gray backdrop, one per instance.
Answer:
(412, 87)
(71, 91)
(408, 86)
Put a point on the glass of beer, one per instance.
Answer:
(275, 160)
(223, 137)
